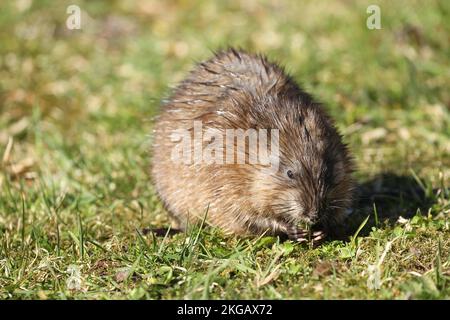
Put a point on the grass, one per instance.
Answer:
(76, 112)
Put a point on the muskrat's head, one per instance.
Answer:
(313, 183)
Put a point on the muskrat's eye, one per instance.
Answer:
(290, 174)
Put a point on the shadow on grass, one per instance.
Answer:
(384, 199)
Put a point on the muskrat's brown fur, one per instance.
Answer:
(235, 90)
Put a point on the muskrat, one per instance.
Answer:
(238, 90)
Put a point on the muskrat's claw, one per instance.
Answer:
(301, 235)
(318, 237)
(297, 234)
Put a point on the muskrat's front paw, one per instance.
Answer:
(297, 234)
(302, 235)
(318, 237)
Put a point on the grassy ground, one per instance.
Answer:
(75, 124)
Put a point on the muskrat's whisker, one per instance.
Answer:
(335, 207)
(338, 200)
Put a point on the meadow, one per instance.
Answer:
(77, 207)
